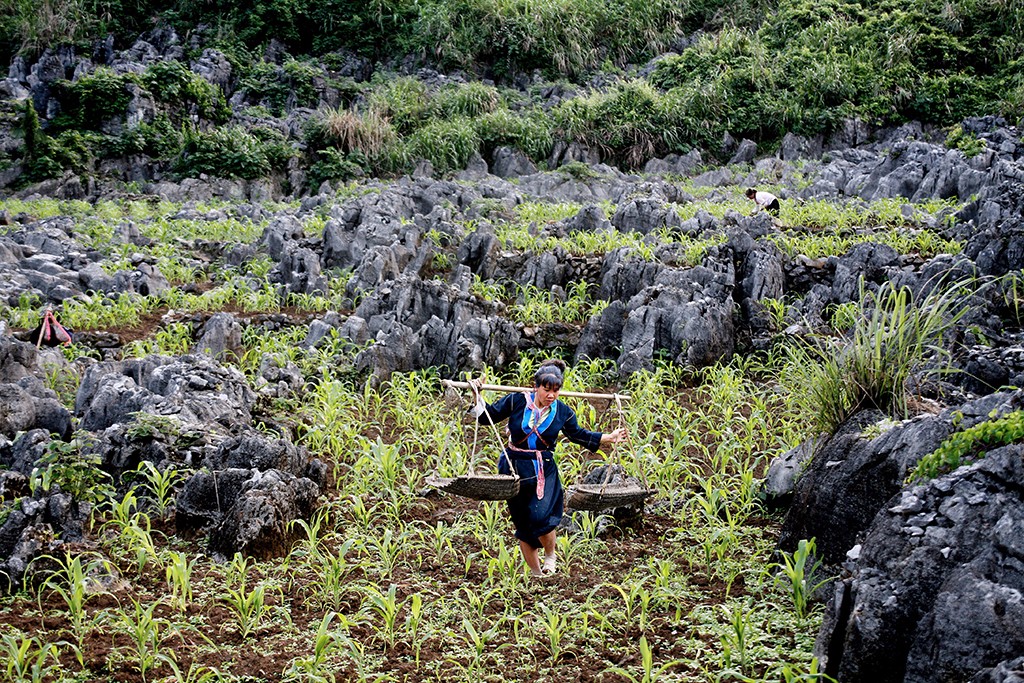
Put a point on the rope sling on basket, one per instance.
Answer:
(624, 491)
(478, 485)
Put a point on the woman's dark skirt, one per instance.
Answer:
(533, 517)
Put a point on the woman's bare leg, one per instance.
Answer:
(531, 556)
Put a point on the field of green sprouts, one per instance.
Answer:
(391, 582)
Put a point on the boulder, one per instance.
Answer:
(1011, 671)
(644, 216)
(936, 591)
(257, 524)
(254, 451)
(511, 163)
(28, 405)
(35, 528)
(299, 273)
(794, 147)
(195, 389)
(851, 476)
(745, 153)
(221, 337)
(784, 471)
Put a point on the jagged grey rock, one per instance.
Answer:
(256, 452)
(745, 153)
(1011, 671)
(511, 163)
(257, 524)
(851, 477)
(936, 591)
(645, 216)
(298, 272)
(194, 389)
(221, 337)
(784, 471)
(35, 528)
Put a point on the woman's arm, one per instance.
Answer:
(501, 409)
(592, 441)
(620, 434)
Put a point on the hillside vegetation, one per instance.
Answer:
(532, 74)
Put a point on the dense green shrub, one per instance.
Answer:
(559, 36)
(630, 123)
(971, 145)
(405, 102)
(811, 64)
(892, 337)
(94, 98)
(281, 87)
(172, 83)
(333, 165)
(32, 25)
(48, 157)
(447, 145)
(229, 152)
(465, 99)
(530, 131)
(159, 139)
(275, 146)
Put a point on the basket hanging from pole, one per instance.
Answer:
(609, 486)
(618, 490)
(477, 485)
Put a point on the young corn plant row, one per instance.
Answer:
(373, 570)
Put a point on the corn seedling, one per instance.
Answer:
(248, 607)
(144, 631)
(179, 579)
(648, 672)
(478, 641)
(506, 568)
(414, 624)
(315, 667)
(162, 484)
(799, 574)
(735, 640)
(386, 607)
(71, 583)
(553, 628)
(389, 548)
(27, 659)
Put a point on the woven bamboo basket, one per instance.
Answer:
(604, 496)
(477, 486)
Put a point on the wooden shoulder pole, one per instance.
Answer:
(516, 390)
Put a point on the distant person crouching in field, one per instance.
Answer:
(764, 200)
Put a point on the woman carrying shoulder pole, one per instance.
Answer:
(535, 420)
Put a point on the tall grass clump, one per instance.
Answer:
(447, 145)
(31, 24)
(528, 131)
(628, 123)
(565, 37)
(894, 336)
(465, 99)
(404, 102)
(349, 130)
(809, 65)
